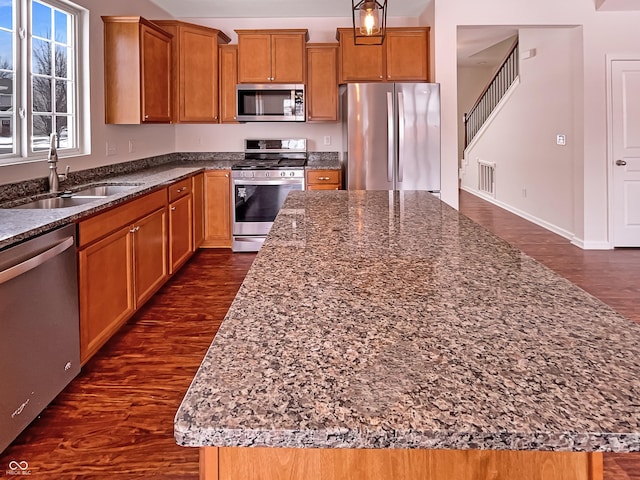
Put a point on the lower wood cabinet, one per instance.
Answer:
(217, 217)
(180, 224)
(324, 179)
(197, 189)
(122, 262)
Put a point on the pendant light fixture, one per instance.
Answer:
(369, 21)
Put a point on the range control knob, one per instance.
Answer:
(282, 174)
(292, 174)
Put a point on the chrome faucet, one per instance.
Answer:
(52, 159)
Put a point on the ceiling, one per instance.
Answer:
(477, 46)
(280, 8)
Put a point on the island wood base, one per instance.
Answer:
(386, 464)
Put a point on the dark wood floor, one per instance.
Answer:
(116, 419)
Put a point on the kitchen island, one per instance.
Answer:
(385, 335)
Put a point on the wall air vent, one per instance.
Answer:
(487, 177)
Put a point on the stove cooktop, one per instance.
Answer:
(270, 163)
(274, 154)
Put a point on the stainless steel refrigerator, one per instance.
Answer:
(391, 136)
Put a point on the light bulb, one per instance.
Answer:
(369, 22)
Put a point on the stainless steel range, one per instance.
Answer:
(270, 170)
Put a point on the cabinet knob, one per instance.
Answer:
(146, 117)
(226, 175)
(380, 76)
(173, 209)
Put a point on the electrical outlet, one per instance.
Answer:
(524, 192)
(132, 146)
(198, 140)
(327, 139)
(561, 139)
(111, 149)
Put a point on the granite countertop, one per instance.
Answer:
(389, 320)
(146, 174)
(18, 224)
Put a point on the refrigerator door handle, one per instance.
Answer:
(400, 136)
(390, 137)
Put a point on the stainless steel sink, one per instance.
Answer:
(102, 191)
(58, 202)
(80, 197)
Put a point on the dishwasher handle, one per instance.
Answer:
(34, 262)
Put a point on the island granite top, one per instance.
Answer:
(389, 320)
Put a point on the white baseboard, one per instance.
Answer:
(542, 223)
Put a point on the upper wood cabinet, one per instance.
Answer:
(322, 82)
(271, 56)
(195, 70)
(359, 63)
(403, 57)
(137, 69)
(228, 81)
(407, 55)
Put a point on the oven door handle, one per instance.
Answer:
(283, 181)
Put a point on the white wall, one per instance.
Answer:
(535, 176)
(229, 138)
(153, 140)
(149, 139)
(603, 33)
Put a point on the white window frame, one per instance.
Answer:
(79, 65)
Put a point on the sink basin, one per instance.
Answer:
(79, 198)
(57, 202)
(102, 191)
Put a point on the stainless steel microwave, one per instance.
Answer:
(270, 103)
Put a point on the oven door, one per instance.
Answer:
(257, 202)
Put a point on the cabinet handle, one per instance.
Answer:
(180, 190)
(324, 178)
(134, 229)
(226, 175)
(146, 117)
(173, 209)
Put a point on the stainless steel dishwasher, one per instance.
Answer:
(39, 327)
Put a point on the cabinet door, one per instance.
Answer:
(106, 289)
(407, 55)
(180, 232)
(359, 63)
(287, 58)
(198, 75)
(217, 217)
(197, 187)
(254, 58)
(324, 180)
(149, 254)
(228, 81)
(156, 75)
(322, 83)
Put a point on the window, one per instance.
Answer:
(40, 82)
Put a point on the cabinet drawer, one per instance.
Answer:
(179, 189)
(315, 177)
(104, 223)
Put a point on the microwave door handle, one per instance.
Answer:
(259, 104)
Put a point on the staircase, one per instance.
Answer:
(491, 95)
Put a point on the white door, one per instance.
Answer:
(625, 123)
